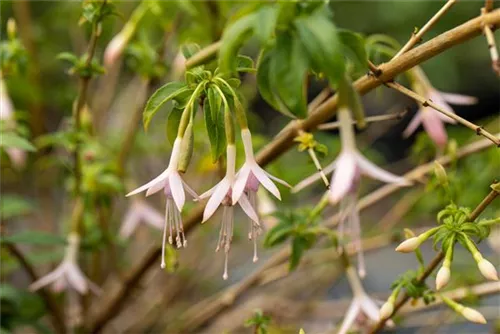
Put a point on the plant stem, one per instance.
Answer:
(425, 102)
(203, 55)
(490, 39)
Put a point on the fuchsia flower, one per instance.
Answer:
(173, 186)
(16, 155)
(139, 211)
(432, 120)
(361, 303)
(67, 274)
(222, 194)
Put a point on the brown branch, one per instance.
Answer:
(371, 119)
(49, 300)
(427, 102)
(204, 55)
(435, 262)
(325, 111)
(417, 37)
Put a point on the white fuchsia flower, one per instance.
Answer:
(361, 303)
(222, 194)
(173, 186)
(432, 120)
(67, 274)
(139, 211)
(248, 179)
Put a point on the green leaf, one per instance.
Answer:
(278, 235)
(68, 56)
(214, 123)
(34, 238)
(173, 120)
(190, 49)
(354, 48)
(264, 81)
(265, 23)
(244, 64)
(324, 47)
(13, 206)
(298, 247)
(288, 70)
(12, 140)
(161, 96)
(233, 38)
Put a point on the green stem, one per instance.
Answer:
(228, 119)
(241, 116)
(188, 113)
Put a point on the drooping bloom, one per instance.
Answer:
(347, 170)
(67, 274)
(222, 194)
(173, 186)
(248, 180)
(139, 211)
(361, 303)
(431, 119)
(16, 155)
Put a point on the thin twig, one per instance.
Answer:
(427, 102)
(417, 37)
(435, 262)
(49, 300)
(371, 119)
(203, 55)
(490, 39)
(325, 111)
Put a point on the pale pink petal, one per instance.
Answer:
(151, 216)
(344, 176)
(60, 284)
(208, 193)
(313, 178)
(47, 279)
(458, 99)
(156, 188)
(265, 181)
(129, 223)
(434, 128)
(350, 316)
(175, 182)
(370, 308)
(414, 123)
(280, 181)
(247, 208)
(157, 180)
(76, 278)
(373, 171)
(216, 199)
(438, 99)
(239, 184)
(190, 190)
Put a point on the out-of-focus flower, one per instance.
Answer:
(432, 120)
(67, 274)
(222, 194)
(173, 186)
(139, 211)
(266, 208)
(16, 155)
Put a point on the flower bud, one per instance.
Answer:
(386, 309)
(11, 28)
(409, 245)
(443, 277)
(473, 315)
(440, 173)
(114, 49)
(186, 149)
(487, 269)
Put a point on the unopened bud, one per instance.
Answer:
(440, 173)
(473, 315)
(487, 269)
(496, 187)
(186, 149)
(11, 28)
(409, 245)
(443, 277)
(386, 309)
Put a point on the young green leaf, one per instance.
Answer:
(265, 23)
(244, 64)
(13, 140)
(233, 38)
(164, 94)
(354, 49)
(173, 120)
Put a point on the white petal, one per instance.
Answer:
(129, 223)
(275, 179)
(344, 176)
(190, 190)
(76, 278)
(350, 316)
(370, 308)
(151, 216)
(247, 207)
(208, 193)
(378, 173)
(215, 200)
(414, 123)
(159, 179)
(459, 99)
(47, 279)
(265, 181)
(239, 184)
(155, 188)
(177, 190)
(313, 178)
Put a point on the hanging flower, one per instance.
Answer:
(139, 211)
(431, 119)
(222, 194)
(67, 274)
(361, 303)
(173, 186)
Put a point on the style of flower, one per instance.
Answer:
(248, 179)
(361, 303)
(174, 187)
(222, 194)
(432, 120)
(67, 274)
(139, 211)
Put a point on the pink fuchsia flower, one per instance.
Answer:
(68, 274)
(361, 304)
(221, 194)
(173, 186)
(139, 211)
(432, 120)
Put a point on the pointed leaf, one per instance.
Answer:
(160, 97)
(233, 38)
(173, 120)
